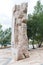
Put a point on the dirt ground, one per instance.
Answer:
(36, 57)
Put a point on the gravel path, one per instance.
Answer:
(36, 57)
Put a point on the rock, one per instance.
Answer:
(19, 38)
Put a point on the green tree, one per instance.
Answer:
(35, 24)
(1, 34)
(7, 37)
(38, 8)
(32, 27)
(38, 11)
(40, 29)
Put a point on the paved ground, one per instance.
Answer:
(36, 57)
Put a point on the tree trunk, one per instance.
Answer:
(5, 46)
(40, 44)
(33, 44)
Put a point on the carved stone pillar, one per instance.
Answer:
(19, 39)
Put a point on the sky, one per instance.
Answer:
(6, 7)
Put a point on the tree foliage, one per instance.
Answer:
(5, 36)
(35, 24)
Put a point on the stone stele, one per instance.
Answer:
(19, 40)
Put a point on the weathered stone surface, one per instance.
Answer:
(19, 32)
